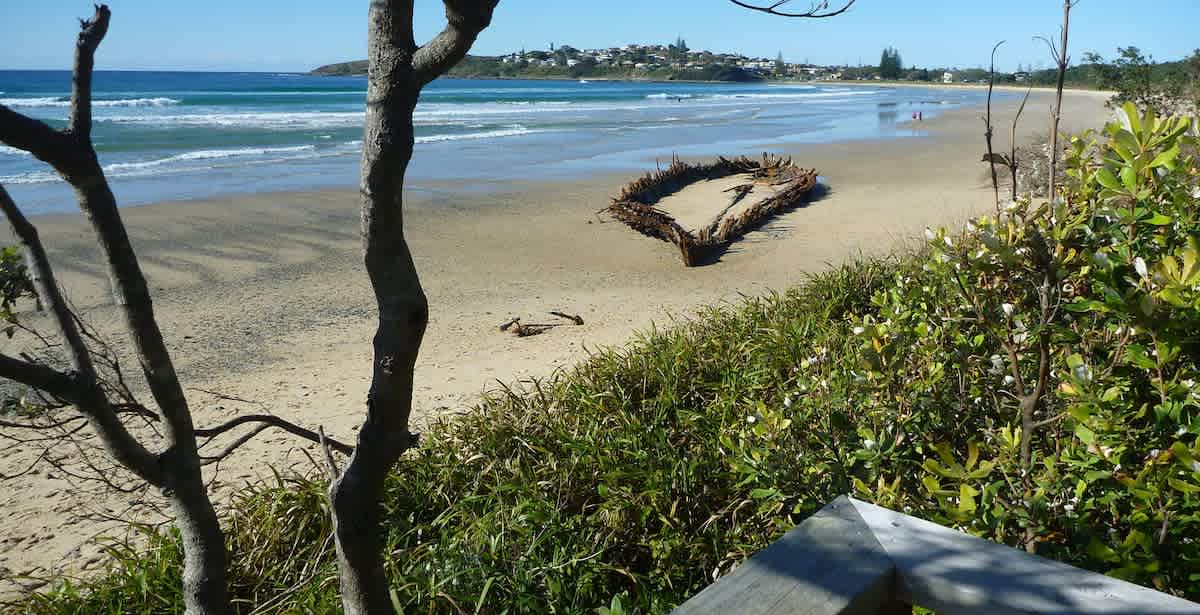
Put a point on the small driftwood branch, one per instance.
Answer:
(528, 330)
(575, 319)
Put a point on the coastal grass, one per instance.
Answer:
(640, 476)
(608, 481)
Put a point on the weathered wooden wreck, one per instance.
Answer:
(779, 184)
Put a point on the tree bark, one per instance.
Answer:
(397, 70)
(176, 470)
(392, 92)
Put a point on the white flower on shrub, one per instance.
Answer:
(1139, 265)
(1082, 373)
(997, 364)
(1007, 308)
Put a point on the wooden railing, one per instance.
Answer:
(853, 558)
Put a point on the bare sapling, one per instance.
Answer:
(163, 452)
(1058, 52)
(988, 130)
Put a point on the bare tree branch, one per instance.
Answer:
(987, 122)
(465, 19)
(267, 421)
(1061, 60)
(1013, 163)
(33, 136)
(91, 32)
(87, 394)
(816, 10)
(40, 377)
(236, 444)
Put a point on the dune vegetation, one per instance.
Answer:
(1030, 379)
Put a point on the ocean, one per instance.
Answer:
(185, 135)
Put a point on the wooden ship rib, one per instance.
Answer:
(636, 204)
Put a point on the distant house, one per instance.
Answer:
(571, 63)
(947, 77)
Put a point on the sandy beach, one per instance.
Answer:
(263, 298)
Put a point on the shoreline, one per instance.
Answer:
(262, 297)
(813, 82)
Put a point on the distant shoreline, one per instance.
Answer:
(847, 83)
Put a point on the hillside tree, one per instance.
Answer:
(890, 64)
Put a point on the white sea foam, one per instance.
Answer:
(272, 120)
(119, 168)
(797, 96)
(514, 131)
(62, 101)
(175, 163)
(12, 151)
(666, 96)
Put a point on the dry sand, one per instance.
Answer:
(264, 298)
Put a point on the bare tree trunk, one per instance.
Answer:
(397, 70)
(176, 470)
(204, 582)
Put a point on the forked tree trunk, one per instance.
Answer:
(397, 70)
(204, 575)
(392, 92)
(176, 470)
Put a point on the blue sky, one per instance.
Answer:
(277, 35)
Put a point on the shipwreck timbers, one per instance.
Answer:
(636, 204)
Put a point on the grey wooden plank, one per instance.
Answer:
(954, 573)
(830, 564)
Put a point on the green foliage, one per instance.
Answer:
(890, 64)
(1094, 298)
(1165, 87)
(14, 285)
(632, 482)
(477, 66)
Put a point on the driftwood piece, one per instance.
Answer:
(635, 205)
(529, 330)
(575, 319)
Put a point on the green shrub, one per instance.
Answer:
(1030, 379)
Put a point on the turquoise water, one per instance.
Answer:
(178, 135)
